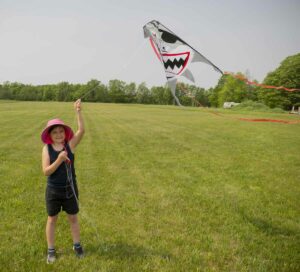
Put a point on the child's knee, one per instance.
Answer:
(73, 218)
(52, 219)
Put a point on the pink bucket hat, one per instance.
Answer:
(45, 136)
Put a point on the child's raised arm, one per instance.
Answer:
(80, 131)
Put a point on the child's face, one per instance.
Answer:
(58, 135)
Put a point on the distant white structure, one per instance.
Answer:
(228, 105)
(295, 111)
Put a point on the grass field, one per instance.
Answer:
(161, 189)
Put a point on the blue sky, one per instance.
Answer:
(71, 40)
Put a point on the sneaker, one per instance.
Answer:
(78, 251)
(51, 257)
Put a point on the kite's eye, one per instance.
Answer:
(168, 37)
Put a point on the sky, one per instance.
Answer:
(47, 42)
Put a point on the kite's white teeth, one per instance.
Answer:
(174, 64)
(173, 58)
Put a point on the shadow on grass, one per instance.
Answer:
(268, 227)
(123, 250)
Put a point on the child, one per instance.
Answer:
(58, 166)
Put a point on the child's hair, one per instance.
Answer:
(55, 126)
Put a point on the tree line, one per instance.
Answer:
(116, 91)
(227, 89)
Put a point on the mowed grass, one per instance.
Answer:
(161, 189)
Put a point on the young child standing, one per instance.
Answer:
(58, 165)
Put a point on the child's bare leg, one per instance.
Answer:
(50, 230)
(74, 225)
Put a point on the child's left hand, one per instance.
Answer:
(77, 105)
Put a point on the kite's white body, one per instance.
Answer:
(175, 54)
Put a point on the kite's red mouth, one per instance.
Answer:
(175, 63)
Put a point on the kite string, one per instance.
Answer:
(83, 213)
(189, 94)
(138, 49)
(124, 66)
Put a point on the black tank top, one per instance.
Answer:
(60, 178)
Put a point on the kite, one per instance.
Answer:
(175, 54)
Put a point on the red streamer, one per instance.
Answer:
(270, 120)
(260, 85)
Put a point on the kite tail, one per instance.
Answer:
(241, 77)
(177, 100)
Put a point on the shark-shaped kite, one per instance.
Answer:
(175, 54)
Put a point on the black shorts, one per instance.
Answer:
(58, 199)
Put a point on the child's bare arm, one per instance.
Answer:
(48, 168)
(80, 131)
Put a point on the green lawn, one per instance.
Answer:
(161, 189)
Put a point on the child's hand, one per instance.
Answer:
(63, 156)
(77, 105)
